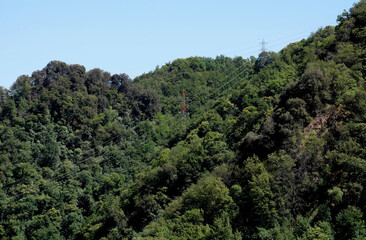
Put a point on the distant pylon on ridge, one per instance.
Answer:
(263, 45)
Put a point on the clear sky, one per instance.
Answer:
(134, 37)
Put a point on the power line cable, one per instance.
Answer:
(86, 158)
(272, 41)
(135, 140)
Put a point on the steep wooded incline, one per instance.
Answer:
(272, 147)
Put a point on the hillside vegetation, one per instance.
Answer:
(272, 147)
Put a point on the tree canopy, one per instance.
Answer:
(272, 147)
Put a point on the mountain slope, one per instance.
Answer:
(271, 148)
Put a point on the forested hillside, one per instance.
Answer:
(272, 147)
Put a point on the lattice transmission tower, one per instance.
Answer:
(184, 105)
(263, 49)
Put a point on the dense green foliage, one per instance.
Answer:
(272, 147)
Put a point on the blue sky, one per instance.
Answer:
(133, 37)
